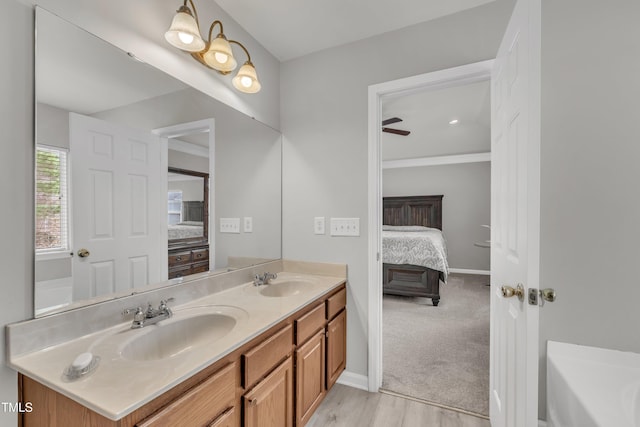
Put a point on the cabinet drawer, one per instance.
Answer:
(336, 303)
(179, 258)
(261, 359)
(309, 324)
(200, 255)
(200, 267)
(228, 419)
(200, 405)
(180, 271)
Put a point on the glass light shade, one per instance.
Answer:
(247, 79)
(219, 55)
(184, 33)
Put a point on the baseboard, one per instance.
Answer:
(354, 380)
(467, 271)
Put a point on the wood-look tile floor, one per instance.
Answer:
(349, 407)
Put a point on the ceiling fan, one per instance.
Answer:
(393, 130)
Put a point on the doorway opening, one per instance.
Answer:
(429, 324)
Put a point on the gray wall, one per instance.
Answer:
(590, 202)
(16, 180)
(324, 123)
(465, 206)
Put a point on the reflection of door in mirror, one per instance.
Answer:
(114, 233)
(187, 221)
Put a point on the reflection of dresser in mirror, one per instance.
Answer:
(187, 214)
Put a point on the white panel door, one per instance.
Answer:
(118, 207)
(515, 230)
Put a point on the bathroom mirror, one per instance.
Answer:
(108, 130)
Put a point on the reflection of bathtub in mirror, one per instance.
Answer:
(592, 387)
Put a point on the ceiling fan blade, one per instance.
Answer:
(391, 121)
(396, 131)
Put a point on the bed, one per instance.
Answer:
(413, 249)
(192, 224)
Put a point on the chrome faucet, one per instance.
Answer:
(259, 280)
(151, 316)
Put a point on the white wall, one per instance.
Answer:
(465, 205)
(590, 203)
(16, 180)
(324, 122)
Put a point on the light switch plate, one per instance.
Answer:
(318, 225)
(248, 224)
(230, 225)
(345, 227)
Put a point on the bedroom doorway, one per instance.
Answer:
(191, 157)
(429, 342)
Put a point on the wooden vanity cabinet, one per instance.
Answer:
(310, 377)
(336, 336)
(209, 403)
(252, 386)
(270, 402)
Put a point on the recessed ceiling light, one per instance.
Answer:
(453, 122)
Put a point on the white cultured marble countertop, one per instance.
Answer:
(119, 386)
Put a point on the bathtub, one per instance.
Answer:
(592, 387)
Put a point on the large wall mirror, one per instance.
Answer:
(141, 180)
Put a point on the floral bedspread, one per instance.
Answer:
(415, 245)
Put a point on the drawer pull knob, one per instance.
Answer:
(253, 402)
(178, 258)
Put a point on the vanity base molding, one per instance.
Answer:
(282, 374)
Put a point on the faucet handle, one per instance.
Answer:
(128, 311)
(138, 315)
(163, 302)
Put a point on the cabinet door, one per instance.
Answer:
(336, 347)
(310, 374)
(270, 402)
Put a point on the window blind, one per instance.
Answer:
(52, 216)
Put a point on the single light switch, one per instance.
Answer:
(318, 225)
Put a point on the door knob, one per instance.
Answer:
(508, 291)
(83, 253)
(548, 294)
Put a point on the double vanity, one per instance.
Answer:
(228, 350)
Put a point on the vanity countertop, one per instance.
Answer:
(119, 386)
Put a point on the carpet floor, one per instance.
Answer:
(440, 354)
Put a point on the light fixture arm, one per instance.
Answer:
(195, 12)
(213, 24)
(243, 48)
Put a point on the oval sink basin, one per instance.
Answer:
(285, 288)
(175, 336)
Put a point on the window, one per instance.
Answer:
(175, 207)
(51, 200)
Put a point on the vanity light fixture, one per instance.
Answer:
(216, 54)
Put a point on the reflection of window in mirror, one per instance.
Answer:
(51, 200)
(175, 207)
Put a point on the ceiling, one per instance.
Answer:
(293, 28)
(427, 115)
